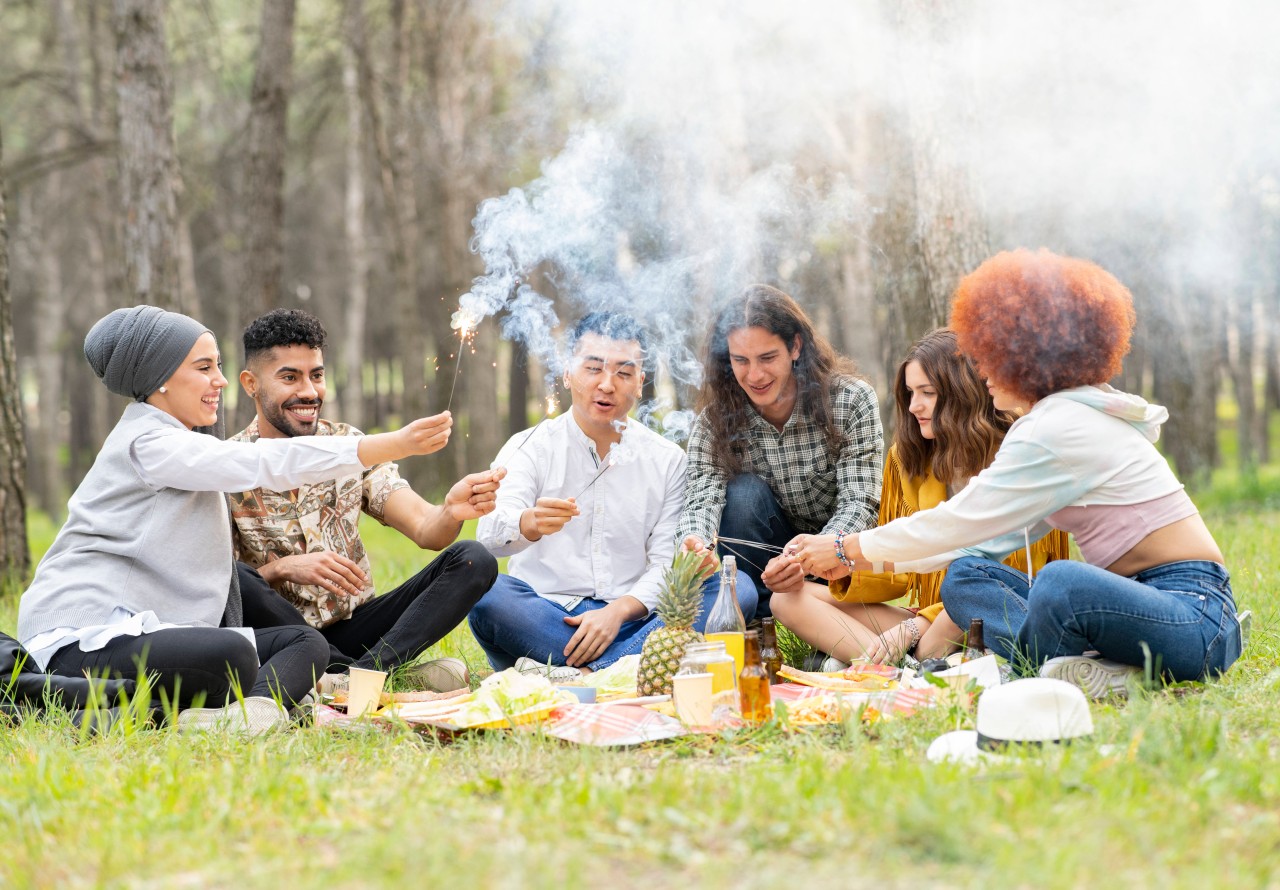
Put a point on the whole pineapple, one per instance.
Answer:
(679, 602)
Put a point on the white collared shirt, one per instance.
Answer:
(624, 539)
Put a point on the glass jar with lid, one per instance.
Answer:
(710, 658)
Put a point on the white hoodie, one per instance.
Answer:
(1092, 445)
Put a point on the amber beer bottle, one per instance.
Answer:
(770, 654)
(973, 644)
(753, 682)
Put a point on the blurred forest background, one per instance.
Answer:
(373, 161)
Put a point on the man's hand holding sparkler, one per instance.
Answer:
(546, 517)
(694, 544)
(783, 574)
(475, 495)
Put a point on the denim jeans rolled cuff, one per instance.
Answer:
(1178, 617)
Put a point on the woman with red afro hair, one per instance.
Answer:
(1048, 332)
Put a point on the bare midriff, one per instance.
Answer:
(1185, 539)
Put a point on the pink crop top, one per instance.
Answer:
(1106, 532)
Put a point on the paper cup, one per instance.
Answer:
(363, 691)
(692, 694)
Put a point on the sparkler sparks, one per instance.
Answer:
(464, 321)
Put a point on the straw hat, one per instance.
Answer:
(1033, 711)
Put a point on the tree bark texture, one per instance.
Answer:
(148, 168)
(351, 356)
(15, 556)
(267, 142)
(932, 230)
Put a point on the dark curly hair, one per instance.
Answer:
(724, 404)
(1036, 323)
(967, 427)
(282, 327)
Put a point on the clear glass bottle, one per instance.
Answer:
(726, 623)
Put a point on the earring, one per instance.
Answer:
(163, 390)
(795, 363)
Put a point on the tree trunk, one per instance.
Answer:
(1184, 378)
(518, 389)
(93, 420)
(264, 181)
(147, 164)
(1241, 368)
(15, 556)
(351, 357)
(935, 228)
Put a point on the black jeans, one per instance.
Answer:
(187, 663)
(397, 627)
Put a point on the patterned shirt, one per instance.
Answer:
(267, 525)
(817, 493)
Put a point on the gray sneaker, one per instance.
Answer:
(1098, 677)
(437, 675)
(556, 673)
(253, 716)
(833, 665)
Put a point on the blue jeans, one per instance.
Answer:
(1183, 612)
(512, 621)
(752, 513)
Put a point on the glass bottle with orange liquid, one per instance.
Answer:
(725, 624)
(754, 696)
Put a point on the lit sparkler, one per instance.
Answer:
(464, 321)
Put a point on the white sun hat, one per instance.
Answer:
(1034, 711)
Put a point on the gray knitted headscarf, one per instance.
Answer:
(134, 351)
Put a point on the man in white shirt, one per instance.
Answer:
(587, 513)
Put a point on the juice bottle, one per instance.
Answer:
(725, 624)
(770, 654)
(754, 696)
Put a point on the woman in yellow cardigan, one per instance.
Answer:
(947, 431)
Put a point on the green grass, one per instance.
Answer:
(1175, 789)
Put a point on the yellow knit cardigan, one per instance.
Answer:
(902, 496)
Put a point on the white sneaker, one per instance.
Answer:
(255, 715)
(833, 665)
(1098, 677)
(556, 673)
(437, 675)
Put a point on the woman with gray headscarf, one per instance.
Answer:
(140, 578)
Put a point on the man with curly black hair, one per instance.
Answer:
(302, 559)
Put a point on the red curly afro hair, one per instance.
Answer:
(1036, 323)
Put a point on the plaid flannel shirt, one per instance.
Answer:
(817, 494)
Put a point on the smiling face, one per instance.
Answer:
(761, 363)
(604, 378)
(194, 392)
(287, 386)
(923, 396)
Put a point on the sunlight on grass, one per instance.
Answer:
(1177, 788)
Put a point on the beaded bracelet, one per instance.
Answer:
(844, 560)
(915, 634)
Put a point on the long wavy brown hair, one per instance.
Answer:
(725, 405)
(967, 427)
